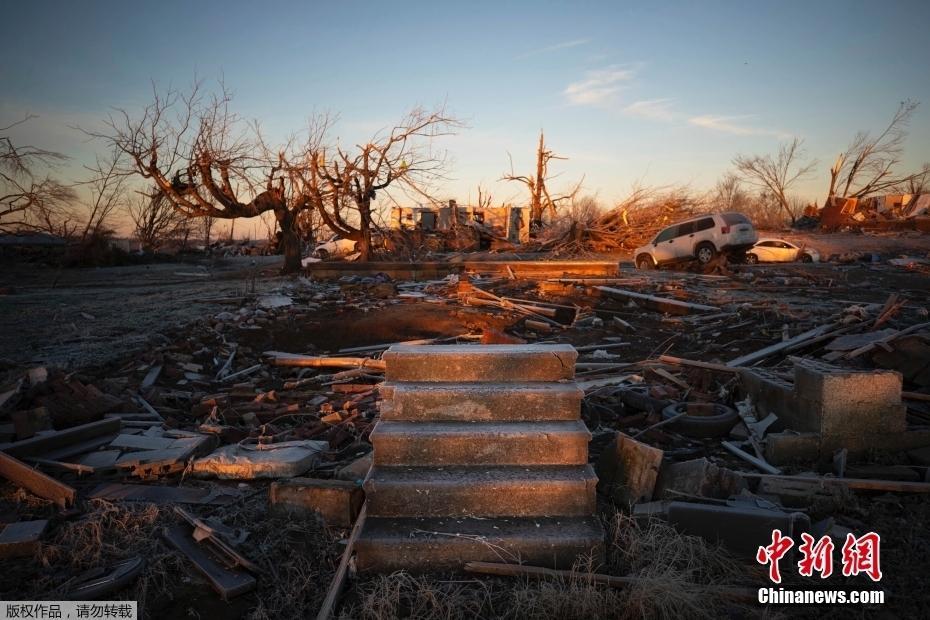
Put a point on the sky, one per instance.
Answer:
(652, 93)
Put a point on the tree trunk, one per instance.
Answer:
(290, 240)
(364, 227)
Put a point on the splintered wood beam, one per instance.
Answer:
(35, 481)
(662, 304)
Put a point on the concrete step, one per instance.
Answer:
(480, 401)
(434, 544)
(506, 491)
(480, 443)
(492, 363)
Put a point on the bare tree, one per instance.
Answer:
(29, 200)
(540, 199)
(154, 219)
(343, 184)
(868, 165)
(107, 196)
(776, 174)
(206, 161)
(729, 194)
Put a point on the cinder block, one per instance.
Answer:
(772, 394)
(791, 447)
(851, 404)
(336, 502)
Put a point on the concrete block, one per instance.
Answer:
(627, 470)
(432, 544)
(849, 403)
(482, 401)
(490, 363)
(772, 394)
(505, 491)
(282, 460)
(480, 443)
(357, 470)
(335, 502)
(790, 447)
(740, 528)
(698, 477)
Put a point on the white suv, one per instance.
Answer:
(701, 237)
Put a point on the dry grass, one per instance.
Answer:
(673, 568)
(297, 558)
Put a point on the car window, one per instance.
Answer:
(735, 218)
(666, 234)
(685, 229)
(706, 224)
(766, 244)
(786, 245)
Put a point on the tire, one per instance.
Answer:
(702, 420)
(751, 259)
(805, 258)
(705, 252)
(323, 254)
(645, 262)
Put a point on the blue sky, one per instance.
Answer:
(629, 92)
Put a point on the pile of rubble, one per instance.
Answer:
(779, 391)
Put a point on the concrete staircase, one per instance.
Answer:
(479, 455)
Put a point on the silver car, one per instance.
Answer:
(701, 238)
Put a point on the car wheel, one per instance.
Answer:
(806, 258)
(645, 262)
(751, 259)
(701, 420)
(323, 254)
(705, 253)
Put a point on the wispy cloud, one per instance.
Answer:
(599, 86)
(735, 125)
(554, 48)
(654, 109)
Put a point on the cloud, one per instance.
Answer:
(734, 125)
(599, 86)
(654, 109)
(554, 48)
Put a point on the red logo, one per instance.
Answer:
(859, 555)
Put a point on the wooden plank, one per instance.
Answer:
(761, 464)
(856, 484)
(35, 481)
(680, 361)
(664, 304)
(761, 354)
(41, 445)
(229, 584)
(160, 494)
(335, 587)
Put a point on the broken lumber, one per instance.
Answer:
(35, 481)
(772, 349)
(663, 304)
(335, 588)
(854, 484)
(311, 361)
(35, 446)
(227, 583)
(680, 361)
(538, 572)
(761, 464)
